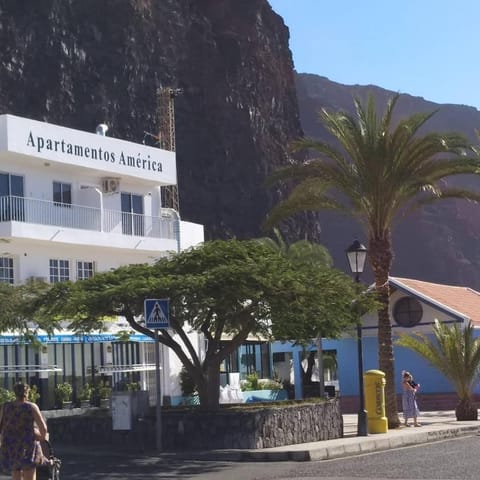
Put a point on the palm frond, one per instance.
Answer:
(308, 195)
(454, 351)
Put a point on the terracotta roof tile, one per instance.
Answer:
(463, 300)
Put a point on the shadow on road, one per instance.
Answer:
(110, 465)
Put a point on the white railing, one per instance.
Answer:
(43, 212)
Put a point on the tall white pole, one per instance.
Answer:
(158, 393)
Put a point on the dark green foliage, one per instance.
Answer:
(223, 289)
(187, 384)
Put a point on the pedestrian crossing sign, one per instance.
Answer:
(157, 313)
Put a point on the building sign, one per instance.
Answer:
(96, 338)
(109, 155)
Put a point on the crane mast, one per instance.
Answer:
(166, 136)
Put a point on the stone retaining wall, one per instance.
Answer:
(256, 427)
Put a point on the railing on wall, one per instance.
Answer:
(44, 212)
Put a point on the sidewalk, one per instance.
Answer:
(435, 426)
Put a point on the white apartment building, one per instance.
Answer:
(73, 203)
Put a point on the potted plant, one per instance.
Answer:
(33, 394)
(103, 391)
(6, 395)
(85, 395)
(133, 387)
(63, 394)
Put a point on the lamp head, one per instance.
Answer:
(356, 255)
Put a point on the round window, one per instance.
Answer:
(407, 312)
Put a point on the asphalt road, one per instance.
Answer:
(456, 459)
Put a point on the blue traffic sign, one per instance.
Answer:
(157, 313)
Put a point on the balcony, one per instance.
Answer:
(78, 218)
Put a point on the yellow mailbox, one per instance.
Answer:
(374, 382)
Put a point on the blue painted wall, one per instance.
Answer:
(431, 380)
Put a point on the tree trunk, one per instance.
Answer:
(321, 379)
(307, 373)
(209, 389)
(466, 410)
(380, 254)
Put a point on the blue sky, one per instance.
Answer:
(427, 48)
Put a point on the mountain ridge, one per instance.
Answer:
(438, 243)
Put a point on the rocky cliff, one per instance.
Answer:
(81, 62)
(440, 243)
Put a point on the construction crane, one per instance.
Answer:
(166, 137)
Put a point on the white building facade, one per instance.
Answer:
(73, 203)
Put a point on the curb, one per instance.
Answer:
(338, 448)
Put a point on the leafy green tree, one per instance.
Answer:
(455, 352)
(313, 255)
(380, 172)
(18, 306)
(231, 288)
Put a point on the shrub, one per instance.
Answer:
(85, 393)
(270, 385)
(63, 392)
(252, 382)
(103, 389)
(133, 387)
(33, 394)
(6, 395)
(187, 384)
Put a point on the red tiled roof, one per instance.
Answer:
(462, 300)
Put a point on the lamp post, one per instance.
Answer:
(356, 255)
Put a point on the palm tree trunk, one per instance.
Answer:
(466, 410)
(381, 255)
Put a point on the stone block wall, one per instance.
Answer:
(230, 428)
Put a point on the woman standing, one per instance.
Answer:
(409, 402)
(22, 425)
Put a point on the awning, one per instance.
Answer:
(252, 338)
(29, 368)
(139, 367)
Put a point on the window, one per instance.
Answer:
(407, 312)
(59, 270)
(11, 198)
(6, 269)
(132, 214)
(85, 270)
(62, 194)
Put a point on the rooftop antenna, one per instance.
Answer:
(101, 129)
(166, 137)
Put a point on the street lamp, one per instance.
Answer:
(356, 255)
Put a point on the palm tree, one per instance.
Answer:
(301, 251)
(304, 252)
(455, 352)
(381, 172)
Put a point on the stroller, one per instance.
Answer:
(50, 469)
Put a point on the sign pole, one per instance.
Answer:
(158, 393)
(157, 316)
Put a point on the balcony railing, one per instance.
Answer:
(43, 212)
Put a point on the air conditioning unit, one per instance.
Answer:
(110, 185)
